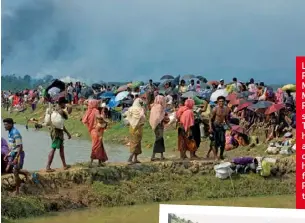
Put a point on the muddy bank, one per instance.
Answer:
(109, 186)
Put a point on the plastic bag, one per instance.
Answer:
(57, 120)
(47, 118)
(266, 169)
(223, 170)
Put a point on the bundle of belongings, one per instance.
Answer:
(245, 165)
(284, 147)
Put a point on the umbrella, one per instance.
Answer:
(274, 108)
(218, 93)
(122, 88)
(136, 84)
(127, 102)
(58, 84)
(190, 94)
(289, 87)
(188, 76)
(164, 77)
(231, 97)
(244, 105)
(106, 95)
(262, 104)
(203, 79)
(113, 103)
(206, 93)
(96, 86)
(238, 101)
(238, 129)
(176, 81)
(120, 96)
(86, 92)
(245, 94)
(213, 83)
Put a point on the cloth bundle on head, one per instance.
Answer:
(91, 113)
(185, 114)
(157, 112)
(135, 113)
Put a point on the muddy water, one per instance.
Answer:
(37, 146)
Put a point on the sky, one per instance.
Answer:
(116, 40)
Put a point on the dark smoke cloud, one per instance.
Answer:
(136, 39)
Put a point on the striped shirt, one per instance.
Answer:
(14, 139)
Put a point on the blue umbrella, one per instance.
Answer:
(120, 96)
(262, 105)
(113, 103)
(106, 95)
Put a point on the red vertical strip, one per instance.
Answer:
(300, 129)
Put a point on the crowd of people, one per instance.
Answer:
(227, 121)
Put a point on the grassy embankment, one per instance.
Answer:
(123, 185)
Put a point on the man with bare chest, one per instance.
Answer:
(219, 124)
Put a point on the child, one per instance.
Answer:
(198, 86)
(212, 147)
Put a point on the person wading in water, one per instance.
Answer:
(57, 136)
(219, 124)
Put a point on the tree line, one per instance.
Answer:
(17, 83)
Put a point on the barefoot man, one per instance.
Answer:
(219, 124)
(57, 136)
(16, 154)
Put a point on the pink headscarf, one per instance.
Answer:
(185, 114)
(279, 96)
(89, 117)
(157, 112)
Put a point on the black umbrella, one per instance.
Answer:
(87, 92)
(127, 102)
(96, 86)
(203, 79)
(188, 76)
(176, 81)
(58, 84)
(166, 77)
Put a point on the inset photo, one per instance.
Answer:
(207, 214)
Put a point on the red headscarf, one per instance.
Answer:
(185, 114)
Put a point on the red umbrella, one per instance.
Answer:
(244, 105)
(231, 97)
(122, 88)
(238, 129)
(213, 83)
(274, 108)
(238, 101)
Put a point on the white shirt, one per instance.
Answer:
(237, 86)
(169, 100)
(221, 86)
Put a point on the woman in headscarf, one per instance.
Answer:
(92, 120)
(158, 118)
(185, 116)
(136, 118)
(279, 96)
(253, 89)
